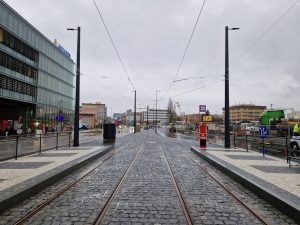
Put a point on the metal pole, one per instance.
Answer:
(17, 142)
(227, 120)
(247, 142)
(134, 117)
(147, 117)
(156, 113)
(77, 101)
(40, 143)
(56, 140)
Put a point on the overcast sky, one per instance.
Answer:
(151, 36)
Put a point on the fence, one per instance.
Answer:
(16, 145)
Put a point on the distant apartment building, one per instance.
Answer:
(36, 77)
(93, 114)
(152, 116)
(245, 112)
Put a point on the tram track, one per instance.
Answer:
(178, 192)
(235, 195)
(103, 211)
(67, 187)
(251, 209)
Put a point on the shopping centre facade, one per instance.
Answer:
(37, 78)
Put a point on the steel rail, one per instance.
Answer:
(103, 211)
(179, 195)
(61, 191)
(253, 211)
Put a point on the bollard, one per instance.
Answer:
(246, 142)
(40, 143)
(17, 141)
(56, 140)
(287, 150)
(263, 150)
(69, 139)
(234, 139)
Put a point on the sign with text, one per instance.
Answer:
(202, 108)
(207, 118)
(263, 131)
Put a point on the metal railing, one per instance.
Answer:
(14, 146)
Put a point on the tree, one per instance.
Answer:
(171, 111)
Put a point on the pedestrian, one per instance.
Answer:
(296, 129)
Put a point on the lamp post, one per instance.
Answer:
(156, 112)
(227, 115)
(77, 101)
(147, 117)
(134, 116)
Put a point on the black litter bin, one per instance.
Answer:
(109, 133)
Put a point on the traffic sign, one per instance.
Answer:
(202, 108)
(263, 131)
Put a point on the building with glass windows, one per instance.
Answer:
(37, 78)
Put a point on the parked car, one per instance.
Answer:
(84, 127)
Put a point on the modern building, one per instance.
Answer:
(36, 77)
(94, 114)
(161, 119)
(245, 112)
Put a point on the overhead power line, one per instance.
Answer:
(265, 32)
(187, 46)
(113, 43)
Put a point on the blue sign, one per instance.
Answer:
(202, 108)
(60, 118)
(263, 131)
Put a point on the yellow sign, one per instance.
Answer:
(207, 118)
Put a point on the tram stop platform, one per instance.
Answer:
(25, 176)
(269, 177)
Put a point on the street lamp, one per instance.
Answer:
(77, 101)
(134, 116)
(156, 112)
(227, 117)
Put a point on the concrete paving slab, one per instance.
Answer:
(269, 177)
(22, 177)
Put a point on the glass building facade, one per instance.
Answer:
(37, 77)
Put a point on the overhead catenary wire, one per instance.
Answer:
(187, 46)
(196, 89)
(265, 32)
(115, 48)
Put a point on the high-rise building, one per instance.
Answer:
(36, 77)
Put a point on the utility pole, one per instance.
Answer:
(134, 116)
(156, 112)
(147, 117)
(77, 96)
(227, 113)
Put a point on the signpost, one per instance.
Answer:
(202, 130)
(263, 134)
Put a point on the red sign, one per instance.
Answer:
(203, 135)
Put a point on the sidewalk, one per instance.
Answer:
(25, 176)
(269, 177)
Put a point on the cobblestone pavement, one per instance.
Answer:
(272, 215)
(147, 195)
(12, 215)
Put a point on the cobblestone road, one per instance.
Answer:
(147, 194)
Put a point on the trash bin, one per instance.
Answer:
(109, 133)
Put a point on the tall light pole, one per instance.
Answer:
(156, 112)
(134, 116)
(147, 117)
(227, 115)
(77, 96)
